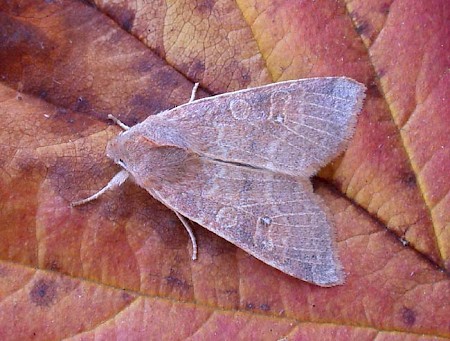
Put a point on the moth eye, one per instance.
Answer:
(121, 163)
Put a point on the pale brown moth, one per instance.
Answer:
(239, 164)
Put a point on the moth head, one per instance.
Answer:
(144, 158)
(129, 149)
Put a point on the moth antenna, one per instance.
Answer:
(118, 122)
(116, 181)
(191, 234)
(194, 91)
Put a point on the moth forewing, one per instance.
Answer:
(293, 127)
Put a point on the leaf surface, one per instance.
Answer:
(120, 266)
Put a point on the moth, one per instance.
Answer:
(240, 164)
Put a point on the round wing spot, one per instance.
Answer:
(240, 109)
(226, 217)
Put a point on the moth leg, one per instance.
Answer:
(116, 181)
(191, 234)
(118, 122)
(194, 91)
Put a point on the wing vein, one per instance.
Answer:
(293, 214)
(316, 129)
(258, 180)
(274, 203)
(330, 96)
(309, 140)
(324, 107)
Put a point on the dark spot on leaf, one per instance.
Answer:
(29, 166)
(43, 293)
(144, 65)
(385, 8)
(249, 306)
(60, 112)
(408, 316)
(381, 73)
(43, 94)
(82, 105)
(196, 70)
(373, 89)
(134, 118)
(264, 307)
(355, 16)
(199, 66)
(165, 81)
(125, 18)
(246, 77)
(363, 28)
(205, 6)
(127, 297)
(147, 105)
(69, 181)
(241, 72)
(89, 3)
(231, 292)
(174, 281)
(53, 266)
(115, 38)
(21, 43)
(409, 179)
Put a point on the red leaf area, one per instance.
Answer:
(120, 267)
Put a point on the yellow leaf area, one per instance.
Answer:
(120, 267)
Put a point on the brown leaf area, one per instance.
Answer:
(120, 267)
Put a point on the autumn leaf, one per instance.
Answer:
(120, 267)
